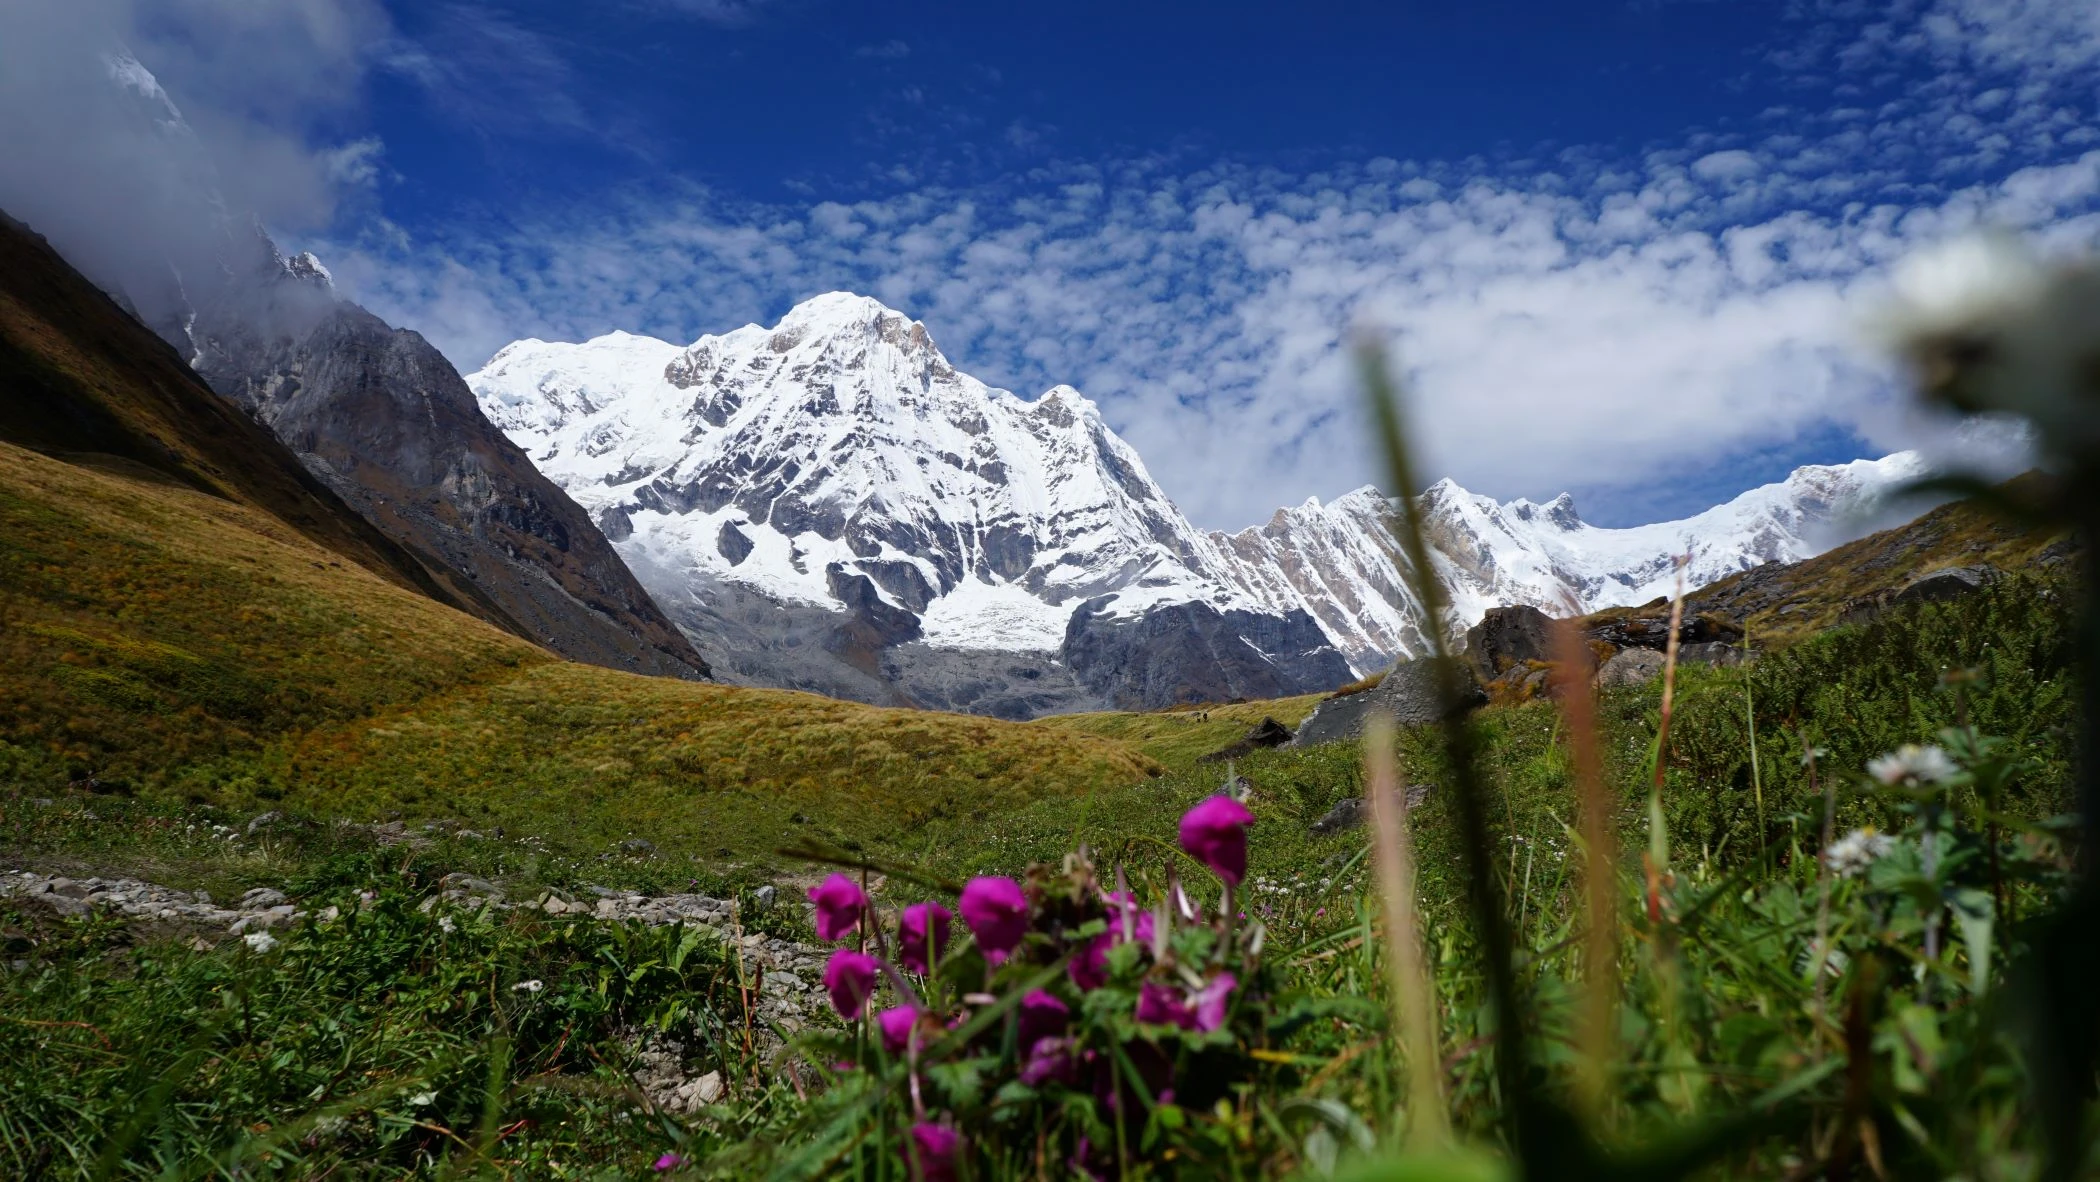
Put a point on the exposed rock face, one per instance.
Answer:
(1409, 696)
(81, 377)
(1630, 667)
(1951, 583)
(1192, 652)
(1507, 637)
(386, 422)
(1650, 628)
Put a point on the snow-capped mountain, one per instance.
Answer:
(831, 492)
(1339, 563)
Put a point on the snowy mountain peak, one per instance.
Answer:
(837, 460)
(838, 445)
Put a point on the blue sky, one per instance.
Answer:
(1622, 247)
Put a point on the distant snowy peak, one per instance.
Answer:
(1338, 561)
(841, 444)
(838, 458)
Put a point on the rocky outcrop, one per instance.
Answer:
(1508, 637)
(1409, 695)
(1186, 653)
(1632, 666)
(385, 421)
(1270, 733)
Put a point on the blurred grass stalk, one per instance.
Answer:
(1413, 993)
(1596, 1033)
(1530, 1126)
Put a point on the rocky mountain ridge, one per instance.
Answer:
(839, 508)
(381, 418)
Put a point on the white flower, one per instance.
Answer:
(533, 986)
(446, 925)
(1857, 850)
(1912, 764)
(260, 941)
(423, 1099)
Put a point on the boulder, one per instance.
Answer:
(1941, 585)
(261, 897)
(1270, 733)
(1651, 629)
(1630, 667)
(1347, 813)
(1408, 695)
(1507, 637)
(1712, 652)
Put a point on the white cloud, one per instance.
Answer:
(94, 155)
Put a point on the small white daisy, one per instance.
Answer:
(533, 986)
(1853, 853)
(1912, 764)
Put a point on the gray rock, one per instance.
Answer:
(261, 897)
(68, 888)
(1631, 666)
(470, 884)
(1408, 695)
(65, 905)
(1348, 813)
(764, 897)
(264, 822)
(1712, 652)
(1507, 637)
(1942, 585)
(640, 847)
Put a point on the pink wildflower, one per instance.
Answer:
(1041, 1016)
(1215, 834)
(932, 1152)
(897, 1024)
(1050, 1059)
(1163, 1005)
(839, 905)
(850, 979)
(1211, 1001)
(669, 1161)
(996, 911)
(1088, 967)
(922, 935)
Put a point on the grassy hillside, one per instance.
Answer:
(1785, 603)
(172, 644)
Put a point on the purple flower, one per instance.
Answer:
(1141, 921)
(1211, 1001)
(934, 1148)
(850, 980)
(1215, 834)
(1050, 1059)
(669, 1161)
(1041, 1016)
(1088, 967)
(996, 911)
(1162, 1005)
(897, 1024)
(839, 905)
(922, 935)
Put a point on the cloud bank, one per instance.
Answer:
(1585, 320)
(135, 186)
(1617, 323)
